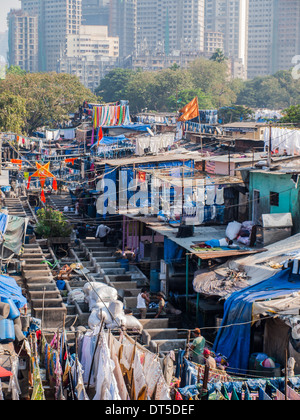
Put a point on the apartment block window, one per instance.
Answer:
(274, 199)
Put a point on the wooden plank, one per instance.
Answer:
(221, 254)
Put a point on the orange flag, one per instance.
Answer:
(71, 160)
(17, 162)
(190, 111)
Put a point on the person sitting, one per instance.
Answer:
(209, 360)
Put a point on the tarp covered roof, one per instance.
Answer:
(233, 339)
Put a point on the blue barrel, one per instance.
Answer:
(14, 311)
(124, 264)
(7, 331)
(154, 281)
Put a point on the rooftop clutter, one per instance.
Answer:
(192, 229)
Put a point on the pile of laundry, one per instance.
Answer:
(220, 282)
(107, 309)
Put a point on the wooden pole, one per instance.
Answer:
(205, 382)
(286, 374)
(93, 359)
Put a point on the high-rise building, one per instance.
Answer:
(57, 20)
(23, 40)
(230, 17)
(166, 26)
(274, 35)
(90, 55)
(95, 12)
(123, 23)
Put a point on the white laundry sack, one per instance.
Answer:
(116, 308)
(107, 294)
(96, 306)
(76, 295)
(132, 323)
(233, 230)
(104, 315)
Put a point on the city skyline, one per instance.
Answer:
(153, 35)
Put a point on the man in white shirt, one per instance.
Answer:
(143, 301)
(102, 233)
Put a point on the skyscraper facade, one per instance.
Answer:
(23, 40)
(230, 17)
(123, 23)
(165, 26)
(57, 20)
(273, 34)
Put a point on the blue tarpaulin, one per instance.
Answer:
(234, 341)
(172, 251)
(109, 141)
(10, 290)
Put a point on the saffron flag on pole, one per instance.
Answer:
(190, 111)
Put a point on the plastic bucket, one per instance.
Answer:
(7, 331)
(14, 311)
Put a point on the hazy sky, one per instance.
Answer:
(5, 6)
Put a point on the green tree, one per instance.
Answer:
(12, 112)
(235, 114)
(52, 224)
(182, 98)
(113, 86)
(50, 98)
(291, 115)
(218, 56)
(15, 70)
(212, 78)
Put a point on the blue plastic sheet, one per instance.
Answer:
(172, 251)
(234, 342)
(10, 290)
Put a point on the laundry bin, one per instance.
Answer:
(7, 331)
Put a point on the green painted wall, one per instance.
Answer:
(289, 195)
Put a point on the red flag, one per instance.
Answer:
(100, 136)
(28, 184)
(43, 198)
(42, 181)
(54, 185)
(142, 176)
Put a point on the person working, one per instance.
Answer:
(143, 301)
(197, 347)
(209, 360)
(161, 305)
(102, 233)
